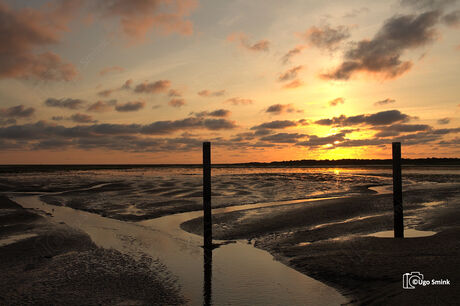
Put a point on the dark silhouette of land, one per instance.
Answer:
(432, 161)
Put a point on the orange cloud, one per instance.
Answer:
(23, 31)
(153, 87)
(336, 101)
(262, 45)
(208, 93)
(290, 74)
(238, 101)
(101, 106)
(326, 37)
(291, 53)
(293, 84)
(137, 18)
(130, 106)
(176, 102)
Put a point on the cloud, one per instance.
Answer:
(423, 135)
(176, 102)
(336, 101)
(101, 106)
(127, 84)
(453, 142)
(44, 130)
(381, 55)
(138, 18)
(113, 69)
(82, 118)
(209, 93)
(290, 74)
(278, 109)
(452, 19)
(385, 102)
(217, 113)
(24, 31)
(291, 53)
(380, 118)
(293, 84)
(326, 37)
(19, 111)
(243, 136)
(130, 106)
(64, 103)
(239, 101)
(7, 121)
(220, 113)
(174, 93)
(51, 144)
(315, 141)
(219, 124)
(166, 127)
(396, 129)
(106, 92)
(277, 124)
(444, 121)
(283, 138)
(243, 40)
(427, 4)
(153, 87)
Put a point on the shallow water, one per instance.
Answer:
(408, 233)
(241, 274)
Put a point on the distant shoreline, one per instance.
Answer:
(425, 162)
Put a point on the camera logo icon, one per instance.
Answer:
(410, 280)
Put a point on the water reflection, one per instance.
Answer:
(207, 285)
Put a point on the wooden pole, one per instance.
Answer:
(207, 221)
(397, 191)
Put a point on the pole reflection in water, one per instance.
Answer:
(207, 286)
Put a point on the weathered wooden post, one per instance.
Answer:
(397, 191)
(207, 222)
(207, 225)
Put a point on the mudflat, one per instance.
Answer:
(47, 263)
(329, 240)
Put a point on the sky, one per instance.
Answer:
(147, 81)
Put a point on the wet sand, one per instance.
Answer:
(327, 240)
(46, 263)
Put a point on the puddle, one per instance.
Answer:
(235, 274)
(408, 233)
(384, 189)
(410, 185)
(354, 219)
(434, 203)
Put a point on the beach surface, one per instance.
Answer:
(47, 263)
(329, 240)
(319, 222)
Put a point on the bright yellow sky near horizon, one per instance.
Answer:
(147, 81)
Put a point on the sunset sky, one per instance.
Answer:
(147, 81)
